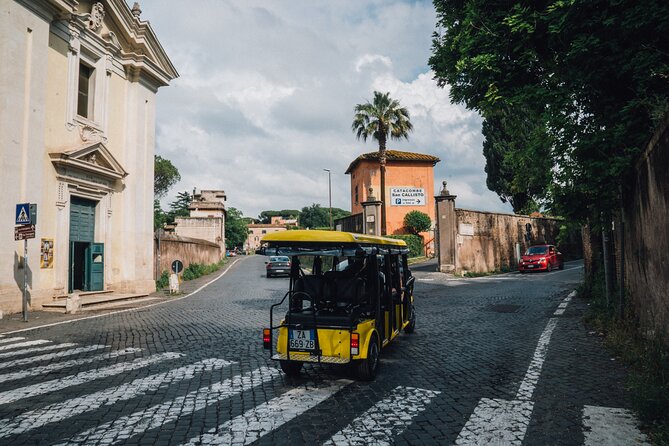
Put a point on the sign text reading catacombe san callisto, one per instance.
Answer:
(407, 196)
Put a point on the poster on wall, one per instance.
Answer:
(46, 256)
(407, 196)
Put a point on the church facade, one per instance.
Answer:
(77, 138)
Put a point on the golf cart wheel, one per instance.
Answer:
(366, 368)
(412, 320)
(291, 368)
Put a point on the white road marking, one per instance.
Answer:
(611, 426)
(4, 341)
(387, 419)
(57, 412)
(497, 421)
(122, 428)
(127, 310)
(263, 419)
(563, 305)
(10, 396)
(36, 350)
(51, 356)
(24, 344)
(36, 371)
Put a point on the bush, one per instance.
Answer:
(163, 281)
(414, 242)
(417, 222)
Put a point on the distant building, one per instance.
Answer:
(280, 220)
(207, 218)
(409, 185)
(78, 84)
(257, 232)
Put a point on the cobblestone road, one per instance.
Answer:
(494, 360)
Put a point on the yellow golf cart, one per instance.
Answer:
(349, 296)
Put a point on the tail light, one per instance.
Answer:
(266, 338)
(355, 343)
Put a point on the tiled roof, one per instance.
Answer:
(394, 155)
(206, 205)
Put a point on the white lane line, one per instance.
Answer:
(611, 426)
(51, 356)
(119, 430)
(533, 373)
(387, 419)
(24, 344)
(10, 396)
(563, 305)
(37, 350)
(496, 421)
(36, 371)
(5, 341)
(127, 310)
(263, 419)
(61, 411)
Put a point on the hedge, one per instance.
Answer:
(414, 242)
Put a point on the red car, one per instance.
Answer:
(541, 258)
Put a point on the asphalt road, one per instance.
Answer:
(501, 359)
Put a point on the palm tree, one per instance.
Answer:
(380, 119)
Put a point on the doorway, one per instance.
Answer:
(83, 274)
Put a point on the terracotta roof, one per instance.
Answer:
(394, 155)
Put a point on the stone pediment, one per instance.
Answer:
(94, 159)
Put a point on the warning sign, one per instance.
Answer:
(23, 214)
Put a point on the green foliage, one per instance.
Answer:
(165, 176)
(380, 119)
(570, 91)
(266, 216)
(416, 222)
(160, 217)
(316, 216)
(414, 243)
(179, 207)
(195, 270)
(235, 228)
(163, 281)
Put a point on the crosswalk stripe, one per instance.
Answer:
(153, 417)
(51, 356)
(263, 419)
(5, 341)
(24, 344)
(386, 419)
(10, 396)
(35, 419)
(35, 371)
(37, 350)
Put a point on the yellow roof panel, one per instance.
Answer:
(337, 237)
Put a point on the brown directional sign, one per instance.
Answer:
(24, 232)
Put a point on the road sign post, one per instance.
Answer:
(25, 280)
(26, 218)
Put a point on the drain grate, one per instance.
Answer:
(504, 308)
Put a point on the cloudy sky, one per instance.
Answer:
(265, 98)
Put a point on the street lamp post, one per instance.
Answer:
(330, 193)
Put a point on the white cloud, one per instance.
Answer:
(267, 89)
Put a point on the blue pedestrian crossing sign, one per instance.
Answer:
(23, 214)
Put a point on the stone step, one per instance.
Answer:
(93, 299)
(83, 293)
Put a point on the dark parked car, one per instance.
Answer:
(541, 258)
(278, 266)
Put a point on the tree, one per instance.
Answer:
(416, 222)
(314, 216)
(591, 75)
(165, 175)
(179, 207)
(266, 216)
(236, 231)
(379, 120)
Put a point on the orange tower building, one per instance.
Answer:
(409, 184)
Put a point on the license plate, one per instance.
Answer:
(301, 340)
(279, 271)
(530, 266)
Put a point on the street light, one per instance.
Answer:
(330, 193)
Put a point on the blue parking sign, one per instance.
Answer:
(23, 214)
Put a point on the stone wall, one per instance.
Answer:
(646, 236)
(487, 241)
(188, 250)
(211, 229)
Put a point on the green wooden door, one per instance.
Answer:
(82, 232)
(95, 267)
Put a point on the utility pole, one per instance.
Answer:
(330, 193)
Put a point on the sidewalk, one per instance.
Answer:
(38, 318)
